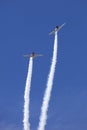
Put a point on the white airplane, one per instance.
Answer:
(57, 28)
(33, 55)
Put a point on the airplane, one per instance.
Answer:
(57, 28)
(33, 55)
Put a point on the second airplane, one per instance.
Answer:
(33, 55)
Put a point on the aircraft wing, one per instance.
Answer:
(40, 55)
(27, 56)
(36, 55)
(51, 32)
(61, 26)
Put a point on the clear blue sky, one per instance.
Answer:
(24, 27)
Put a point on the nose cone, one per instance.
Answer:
(33, 53)
(57, 27)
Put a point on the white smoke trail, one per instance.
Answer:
(27, 96)
(46, 99)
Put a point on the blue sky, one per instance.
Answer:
(24, 27)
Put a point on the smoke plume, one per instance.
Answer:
(26, 122)
(47, 95)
